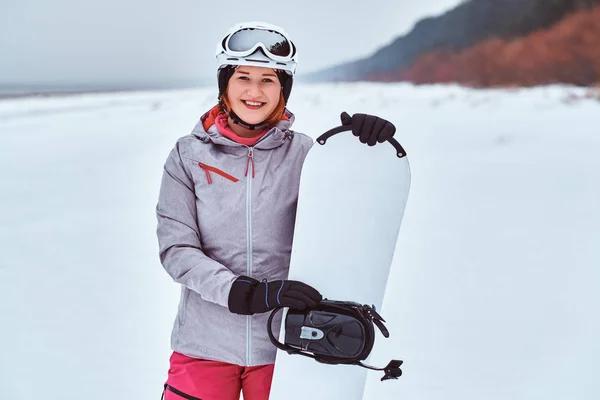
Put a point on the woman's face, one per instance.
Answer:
(253, 93)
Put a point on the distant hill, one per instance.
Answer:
(468, 24)
(568, 52)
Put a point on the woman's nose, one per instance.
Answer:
(254, 90)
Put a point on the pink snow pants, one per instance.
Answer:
(214, 380)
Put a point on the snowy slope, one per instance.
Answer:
(493, 293)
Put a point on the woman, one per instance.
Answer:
(226, 214)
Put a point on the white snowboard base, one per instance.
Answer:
(351, 202)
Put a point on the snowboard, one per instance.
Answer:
(350, 207)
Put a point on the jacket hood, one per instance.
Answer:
(207, 131)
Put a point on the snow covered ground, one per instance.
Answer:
(494, 293)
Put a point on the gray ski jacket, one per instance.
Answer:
(224, 210)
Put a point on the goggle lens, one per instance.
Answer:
(273, 42)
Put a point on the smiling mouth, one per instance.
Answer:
(253, 105)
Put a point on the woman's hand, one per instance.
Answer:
(370, 129)
(249, 296)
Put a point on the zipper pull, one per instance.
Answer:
(208, 178)
(250, 160)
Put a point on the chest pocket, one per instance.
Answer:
(211, 174)
(220, 204)
(209, 170)
(216, 185)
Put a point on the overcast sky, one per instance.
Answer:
(152, 41)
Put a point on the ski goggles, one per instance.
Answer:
(246, 41)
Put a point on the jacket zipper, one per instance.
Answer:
(208, 169)
(249, 248)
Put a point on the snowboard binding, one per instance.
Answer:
(336, 332)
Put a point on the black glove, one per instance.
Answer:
(369, 128)
(249, 296)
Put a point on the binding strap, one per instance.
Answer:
(391, 371)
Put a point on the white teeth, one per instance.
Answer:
(253, 103)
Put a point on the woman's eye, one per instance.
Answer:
(267, 80)
(243, 78)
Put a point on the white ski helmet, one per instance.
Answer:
(257, 44)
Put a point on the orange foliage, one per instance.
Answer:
(567, 52)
